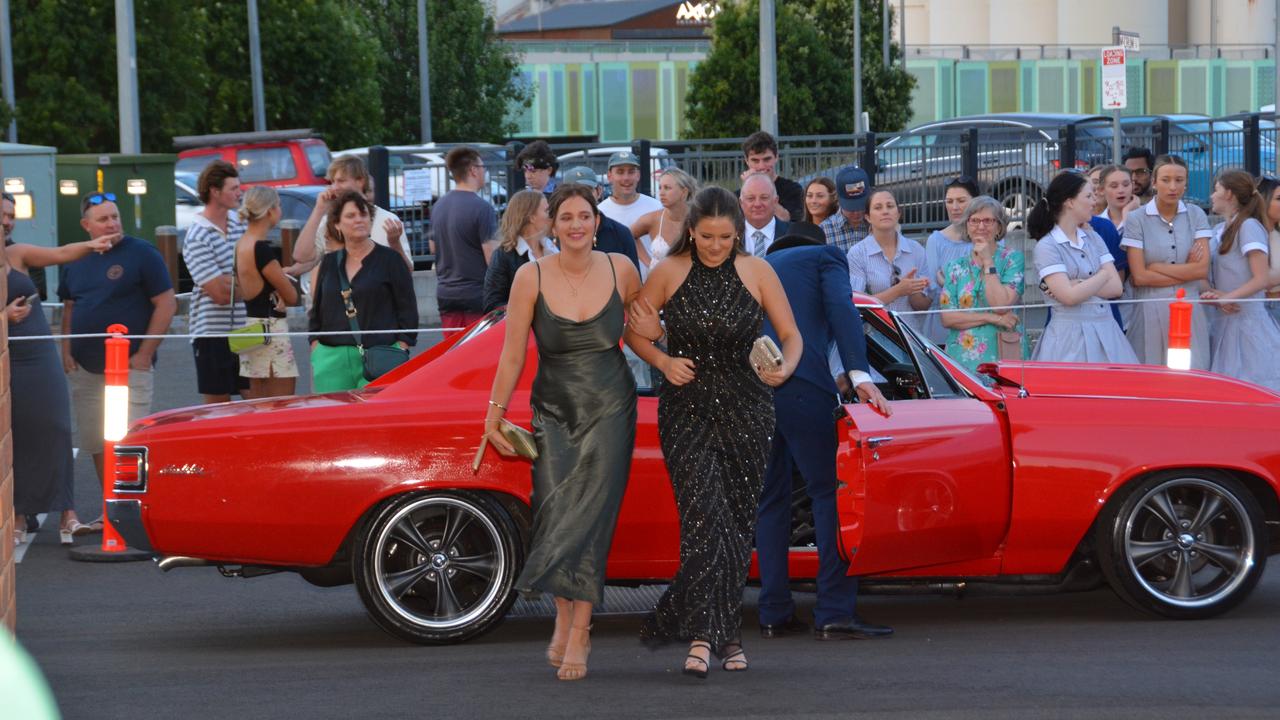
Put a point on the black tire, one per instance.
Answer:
(437, 568)
(1183, 544)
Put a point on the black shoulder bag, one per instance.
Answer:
(378, 360)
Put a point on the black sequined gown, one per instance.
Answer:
(716, 433)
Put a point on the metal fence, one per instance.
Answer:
(1013, 164)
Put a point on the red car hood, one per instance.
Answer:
(245, 407)
(1125, 381)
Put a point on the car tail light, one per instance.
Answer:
(131, 470)
(1080, 164)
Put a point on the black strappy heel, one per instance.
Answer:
(729, 655)
(700, 674)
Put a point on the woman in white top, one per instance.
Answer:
(889, 265)
(1246, 340)
(1167, 242)
(947, 245)
(1077, 274)
(1269, 189)
(675, 189)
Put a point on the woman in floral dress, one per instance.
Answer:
(989, 277)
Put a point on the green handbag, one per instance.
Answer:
(251, 336)
(377, 360)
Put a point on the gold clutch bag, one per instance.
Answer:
(521, 440)
(765, 353)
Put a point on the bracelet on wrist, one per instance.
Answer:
(498, 405)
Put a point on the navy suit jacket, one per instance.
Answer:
(614, 237)
(816, 280)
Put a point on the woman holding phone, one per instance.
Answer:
(42, 459)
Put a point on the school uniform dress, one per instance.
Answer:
(871, 272)
(1245, 344)
(1086, 332)
(1163, 242)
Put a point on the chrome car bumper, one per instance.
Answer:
(126, 517)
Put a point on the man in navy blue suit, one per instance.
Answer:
(816, 279)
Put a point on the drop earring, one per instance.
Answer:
(595, 241)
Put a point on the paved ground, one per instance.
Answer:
(127, 641)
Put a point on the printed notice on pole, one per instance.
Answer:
(417, 186)
(1114, 86)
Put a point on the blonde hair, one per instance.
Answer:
(684, 180)
(520, 209)
(257, 202)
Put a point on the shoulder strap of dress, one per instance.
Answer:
(538, 266)
(613, 270)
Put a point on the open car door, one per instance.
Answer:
(929, 485)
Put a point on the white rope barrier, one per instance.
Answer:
(188, 336)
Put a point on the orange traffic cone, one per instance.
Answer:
(1179, 357)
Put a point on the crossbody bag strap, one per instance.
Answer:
(233, 287)
(345, 286)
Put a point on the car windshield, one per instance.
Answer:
(485, 323)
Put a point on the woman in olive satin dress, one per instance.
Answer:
(584, 415)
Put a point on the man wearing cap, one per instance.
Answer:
(626, 204)
(849, 226)
(611, 235)
(759, 200)
(539, 164)
(816, 280)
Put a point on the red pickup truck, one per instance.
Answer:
(281, 158)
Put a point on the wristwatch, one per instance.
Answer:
(992, 270)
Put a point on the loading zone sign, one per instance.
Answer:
(1114, 86)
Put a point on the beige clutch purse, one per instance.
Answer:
(765, 353)
(520, 439)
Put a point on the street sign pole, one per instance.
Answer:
(1115, 92)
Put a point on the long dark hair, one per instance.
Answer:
(1240, 184)
(1044, 215)
(1267, 189)
(710, 202)
(832, 205)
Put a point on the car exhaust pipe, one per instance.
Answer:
(169, 562)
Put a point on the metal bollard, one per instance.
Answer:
(167, 243)
(289, 231)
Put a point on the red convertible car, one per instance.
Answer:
(1164, 483)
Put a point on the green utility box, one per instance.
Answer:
(29, 177)
(142, 184)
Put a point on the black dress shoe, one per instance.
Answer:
(792, 626)
(853, 629)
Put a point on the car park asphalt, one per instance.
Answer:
(128, 641)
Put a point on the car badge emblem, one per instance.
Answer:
(188, 469)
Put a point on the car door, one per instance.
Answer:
(932, 483)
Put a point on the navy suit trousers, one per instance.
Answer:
(805, 440)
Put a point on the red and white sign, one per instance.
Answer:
(1114, 85)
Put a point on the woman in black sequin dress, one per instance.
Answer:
(715, 418)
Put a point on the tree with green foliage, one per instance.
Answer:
(470, 101)
(346, 68)
(815, 80)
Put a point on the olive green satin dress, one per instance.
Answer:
(584, 422)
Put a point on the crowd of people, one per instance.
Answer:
(689, 281)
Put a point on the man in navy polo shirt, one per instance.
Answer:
(127, 284)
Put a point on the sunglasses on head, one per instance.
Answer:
(530, 167)
(897, 275)
(99, 198)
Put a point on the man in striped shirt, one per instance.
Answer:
(209, 251)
